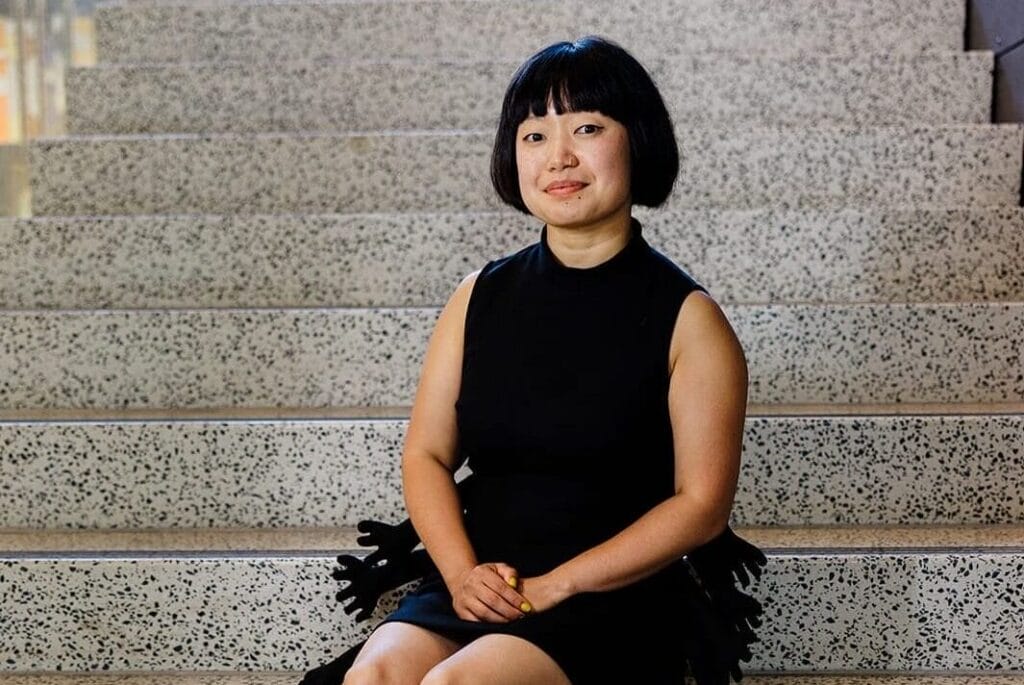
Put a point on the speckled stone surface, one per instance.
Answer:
(138, 32)
(211, 542)
(888, 679)
(892, 611)
(300, 357)
(889, 612)
(272, 474)
(320, 260)
(195, 474)
(364, 412)
(194, 678)
(165, 358)
(863, 538)
(764, 255)
(875, 255)
(941, 88)
(171, 613)
(290, 678)
(871, 353)
(36, 543)
(735, 167)
(881, 470)
(247, 174)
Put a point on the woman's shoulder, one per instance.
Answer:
(704, 329)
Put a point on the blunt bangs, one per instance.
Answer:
(592, 74)
(571, 80)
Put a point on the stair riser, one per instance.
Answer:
(200, 474)
(514, 30)
(318, 358)
(726, 167)
(880, 470)
(798, 470)
(823, 612)
(801, 91)
(378, 260)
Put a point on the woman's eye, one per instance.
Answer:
(532, 137)
(589, 128)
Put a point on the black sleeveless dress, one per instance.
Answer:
(563, 420)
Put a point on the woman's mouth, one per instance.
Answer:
(562, 188)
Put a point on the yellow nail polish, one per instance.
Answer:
(512, 581)
(525, 607)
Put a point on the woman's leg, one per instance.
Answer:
(398, 653)
(498, 660)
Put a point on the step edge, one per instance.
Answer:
(82, 544)
(392, 413)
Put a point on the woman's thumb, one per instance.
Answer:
(508, 573)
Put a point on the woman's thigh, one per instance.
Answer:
(399, 652)
(498, 659)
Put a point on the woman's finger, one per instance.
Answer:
(498, 599)
(508, 573)
(512, 604)
(486, 613)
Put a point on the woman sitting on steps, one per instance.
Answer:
(597, 394)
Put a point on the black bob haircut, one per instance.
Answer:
(590, 74)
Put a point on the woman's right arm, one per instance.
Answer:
(429, 459)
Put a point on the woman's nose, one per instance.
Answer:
(562, 155)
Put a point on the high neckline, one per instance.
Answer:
(550, 263)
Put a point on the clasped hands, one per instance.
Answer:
(493, 592)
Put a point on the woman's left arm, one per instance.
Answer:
(707, 402)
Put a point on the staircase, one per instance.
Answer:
(212, 327)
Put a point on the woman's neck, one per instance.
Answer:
(584, 247)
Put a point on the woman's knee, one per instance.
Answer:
(498, 660)
(375, 672)
(443, 674)
(398, 654)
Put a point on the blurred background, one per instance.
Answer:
(39, 41)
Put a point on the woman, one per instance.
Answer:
(597, 394)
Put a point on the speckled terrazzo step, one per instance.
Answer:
(398, 411)
(939, 88)
(193, 678)
(33, 543)
(280, 473)
(890, 600)
(351, 357)
(764, 255)
(291, 678)
(136, 32)
(734, 167)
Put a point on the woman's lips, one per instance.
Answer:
(564, 187)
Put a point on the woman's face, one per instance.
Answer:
(574, 168)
